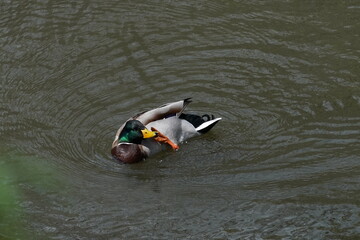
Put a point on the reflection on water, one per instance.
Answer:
(25, 181)
(283, 75)
(10, 212)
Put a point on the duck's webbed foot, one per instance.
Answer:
(164, 139)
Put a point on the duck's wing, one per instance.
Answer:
(169, 109)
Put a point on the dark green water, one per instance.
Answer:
(283, 164)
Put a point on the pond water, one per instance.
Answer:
(284, 163)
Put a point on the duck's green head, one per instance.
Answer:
(134, 132)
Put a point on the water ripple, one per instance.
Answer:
(283, 77)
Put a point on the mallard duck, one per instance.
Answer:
(155, 130)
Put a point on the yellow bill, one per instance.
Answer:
(147, 133)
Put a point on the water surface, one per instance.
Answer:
(283, 75)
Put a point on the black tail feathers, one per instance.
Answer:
(196, 120)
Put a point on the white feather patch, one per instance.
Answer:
(207, 124)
